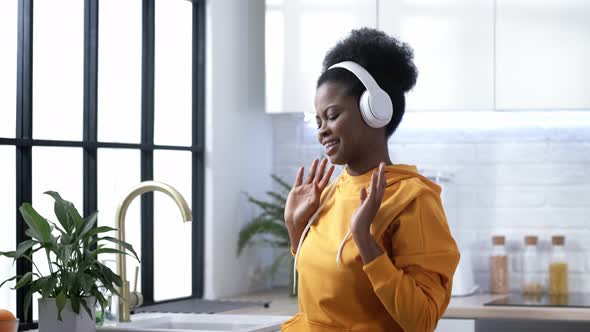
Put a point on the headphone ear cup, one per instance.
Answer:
(381, 107)
(365, 108)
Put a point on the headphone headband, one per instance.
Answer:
(361, 73)
(375, 104)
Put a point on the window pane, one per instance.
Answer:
(119, 71)
(56, 169)
(8, 217)
(8, 33)
(172, 237)
(173, 66)
(118, 171)
(58, 64)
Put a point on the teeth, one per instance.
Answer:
(331, 143)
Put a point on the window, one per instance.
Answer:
(58, 60)
(119, 71)
(91, 122)
(8, 18)
(7, 217)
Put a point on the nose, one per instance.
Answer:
(323, 131)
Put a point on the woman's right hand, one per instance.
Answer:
(304, 198)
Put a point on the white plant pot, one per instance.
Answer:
(70, 322)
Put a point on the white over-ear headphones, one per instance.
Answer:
(375, 104)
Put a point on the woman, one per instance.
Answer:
(373, 249)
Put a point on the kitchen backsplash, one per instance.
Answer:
(511, 176)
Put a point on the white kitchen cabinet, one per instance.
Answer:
(453, 42)
(455, 325)
(298, 35)
(542, 52)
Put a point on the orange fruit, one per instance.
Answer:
(6, 315)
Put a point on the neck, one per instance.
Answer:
(371, 160)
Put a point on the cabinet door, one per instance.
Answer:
(298, 35)
(455, 325)
(453, 42)
(543, 47)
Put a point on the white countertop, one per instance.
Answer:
(468, 307)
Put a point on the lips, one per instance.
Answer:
(331, 146)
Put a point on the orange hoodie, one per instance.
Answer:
(407, 288)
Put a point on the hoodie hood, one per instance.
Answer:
(393, 175)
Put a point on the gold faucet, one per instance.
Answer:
(141, 188)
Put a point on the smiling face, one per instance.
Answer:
(341, 130)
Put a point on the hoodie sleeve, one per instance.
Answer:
(414, 284)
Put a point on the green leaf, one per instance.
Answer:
(75, 217)
(9, 254)
(110, 251)
(64, 253)
(85, 281)
(286, 187)
(39, 225)
(60, 207)
(49, 285)
(27, 301)
(278, 197)
(122, 243)
(100, 229)
(87, 226)
(31, 233)
(110, 275)
(260, 226)
(60, 300)
(270, 208)
(75, 301)
(66, 239)
(23, 247)
(25, 280)
(7, 280)
(83, 302)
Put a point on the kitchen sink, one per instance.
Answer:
(172, 322)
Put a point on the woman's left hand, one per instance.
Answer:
(371, 199)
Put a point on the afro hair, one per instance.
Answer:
(388, 60)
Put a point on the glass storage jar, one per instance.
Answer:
(532, 280)
(558, 267)
(499, 266)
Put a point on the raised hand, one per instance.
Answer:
(304, 198)
(370, 203)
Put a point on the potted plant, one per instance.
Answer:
(71, 248)
(268, 227)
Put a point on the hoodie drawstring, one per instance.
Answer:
(339, 254)
(306, 229)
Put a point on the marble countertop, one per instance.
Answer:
(468, 307)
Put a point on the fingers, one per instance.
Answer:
(378, 183)
(326, 178)
(363, 195)
(299, 177)
(312, 171)
(320, 173)
(374, 184)
(381, 179)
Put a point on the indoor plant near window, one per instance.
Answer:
(269, 226)
(76, 275)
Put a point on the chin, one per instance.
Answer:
(335, 160)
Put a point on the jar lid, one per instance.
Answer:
(498, 239)
(531, 240)
(558, 240)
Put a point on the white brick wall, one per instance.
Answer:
(515, 174)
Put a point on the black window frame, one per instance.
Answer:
(24, 141)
